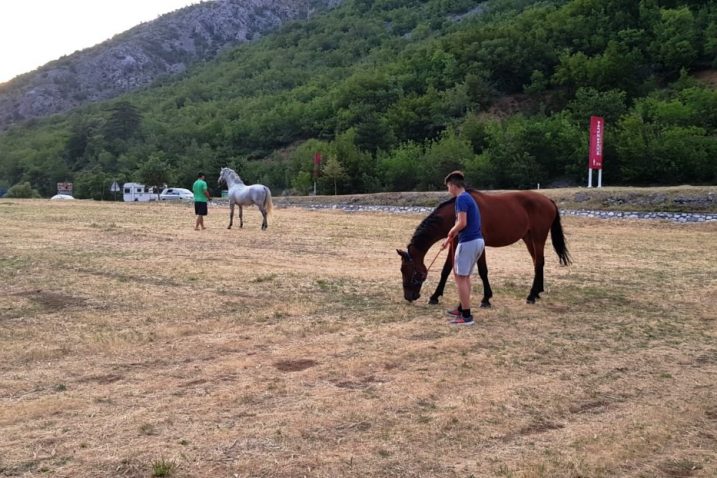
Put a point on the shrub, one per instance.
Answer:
(22, 190)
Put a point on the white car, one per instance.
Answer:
(176, 194)
(61, 197)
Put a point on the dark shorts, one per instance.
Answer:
(200, 208)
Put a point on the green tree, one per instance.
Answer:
(475, 130)
(675, 45)
(400, 167)
(357, 164)
(78, 143)
(93, 184)
(123, 123)
(302, 182)
(588, 102)
(481, 91)
(154, 172)
(509, 161)
(442, 156)
(334, 171)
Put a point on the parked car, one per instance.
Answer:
(176, 194)
(61, 197)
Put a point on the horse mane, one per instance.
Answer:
(234, 175)
(422, 237)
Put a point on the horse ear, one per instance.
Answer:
(403, 254)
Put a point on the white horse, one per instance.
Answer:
(243, 195)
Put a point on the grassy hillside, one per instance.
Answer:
(394, 93)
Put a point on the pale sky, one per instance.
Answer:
(35, 32)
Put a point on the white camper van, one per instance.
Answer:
(135, 192)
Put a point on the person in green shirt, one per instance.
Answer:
(201, 196)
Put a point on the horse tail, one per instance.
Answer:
(558, 238)
(268, 204)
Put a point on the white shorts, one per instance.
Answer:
(467, 254)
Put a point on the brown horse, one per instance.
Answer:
(505, 219)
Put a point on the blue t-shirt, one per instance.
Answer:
(466, 203)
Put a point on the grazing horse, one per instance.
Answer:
(505, 219)
(243, 195)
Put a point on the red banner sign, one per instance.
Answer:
(597, 128)
(317, 164)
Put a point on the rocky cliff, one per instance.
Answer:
(136, 58)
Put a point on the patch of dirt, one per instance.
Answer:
(509, 105)
(101, 379)
(127, 468)
(52, 300)
(534, 428)
(358, 384)
(358, 426)
(432, 335)
(707, 76)
(540, 426)
(679, 468)
(294, 365)
(261, 445)
(706, 359)
(558, 309)
(592, 406)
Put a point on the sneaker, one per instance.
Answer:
(454, 313)
(462, 321)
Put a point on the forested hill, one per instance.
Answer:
(136, 58)
(395, 93)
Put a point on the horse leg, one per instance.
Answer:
(241, 216)
(231, 215)
(264, 224)
(483, 272)
(536, 249)
(540, 265)
(442, 283)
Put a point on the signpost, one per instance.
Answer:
(114, 188)
(64, 188)
(597, 129)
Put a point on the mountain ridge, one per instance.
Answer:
(139, 56)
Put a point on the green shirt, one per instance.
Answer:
(199, 189)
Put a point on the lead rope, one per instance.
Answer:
(434, 260)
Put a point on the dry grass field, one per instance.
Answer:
(133, 346)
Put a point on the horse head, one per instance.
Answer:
(414, 274)
(223, 175)
(229, 177)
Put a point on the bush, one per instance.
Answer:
(22, 190)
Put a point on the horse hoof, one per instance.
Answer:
(433, 301)
(530, 301)
(485, 305)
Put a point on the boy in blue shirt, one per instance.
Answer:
(470, 245)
